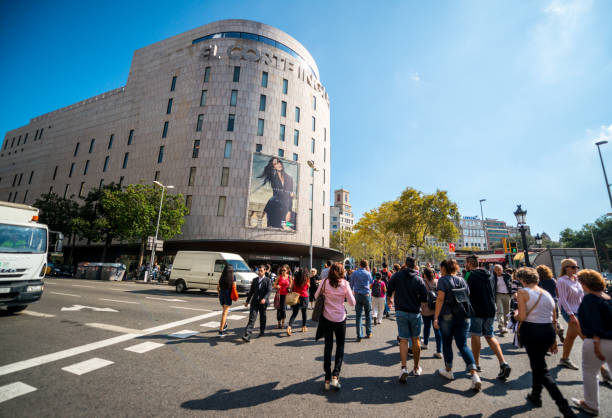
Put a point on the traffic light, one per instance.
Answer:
(513, 247)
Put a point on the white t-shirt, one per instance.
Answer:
(501, 285)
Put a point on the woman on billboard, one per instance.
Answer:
(279, 206)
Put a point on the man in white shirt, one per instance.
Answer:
(502, 298)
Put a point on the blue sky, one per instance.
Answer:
(485, 99)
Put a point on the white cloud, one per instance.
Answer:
(415, 77)
(605, 134)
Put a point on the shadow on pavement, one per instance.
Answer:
(169, 292)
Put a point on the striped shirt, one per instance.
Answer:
(570, 294)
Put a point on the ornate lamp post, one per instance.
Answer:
(538, 240)
(520, 221)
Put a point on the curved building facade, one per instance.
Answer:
(230, 113)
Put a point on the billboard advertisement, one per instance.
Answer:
(273, 193)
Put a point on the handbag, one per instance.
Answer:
(518, 328)
(277, 300)
(317, 311)
(292, 298)
(234, 293)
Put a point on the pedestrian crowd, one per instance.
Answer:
(452, 306)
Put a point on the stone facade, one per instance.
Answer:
(42, 162)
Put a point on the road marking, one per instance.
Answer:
(120, 301)
(114, 328)
(37, 314)
(59, 355)
(166, 300)
(13, 390)
(46, 282)
(79, 307)
(212, 324)
(87, 366)
(65, 294)
(80, 285)
(186, 333)
(191, 309)
(236, 317)
(143, 347)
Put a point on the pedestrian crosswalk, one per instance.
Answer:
(87, 366)
(13, 390)
(144, 347)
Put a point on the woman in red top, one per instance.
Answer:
(301, 282)
(282, 285)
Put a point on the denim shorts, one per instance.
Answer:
(408, 324)
(565, 315)
(482, 327)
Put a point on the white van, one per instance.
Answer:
(202, 270)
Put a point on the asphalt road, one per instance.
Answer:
(107, 349)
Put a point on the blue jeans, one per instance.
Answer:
(386, 304)
(457, 329)
(363, 302)
(427, 322)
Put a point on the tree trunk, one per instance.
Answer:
(141, 255)
(107, 243)
(71, 256)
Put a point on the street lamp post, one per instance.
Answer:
(161, 201)
(604, 169)
(538, 239)
(520, 221)
(484, 228)
(314, 169)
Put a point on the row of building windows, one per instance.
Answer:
(38, 135)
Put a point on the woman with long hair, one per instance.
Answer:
(278, 208)
(224, 288)
(431, 283)
(282, 285)
(333, 321)
(570, 295)
(536, 310)
(301, 282)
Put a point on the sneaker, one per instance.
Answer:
(476, 383)
(565, 362)
(221, 334)
(605, 375)
(261, 334)
(403, 375)
(358, 340)
(446, 373)
(369, 335)
(567, 412)
(478, 368)
(225, 326)
(504, 371)
(583, 406)
(327, 385)
(424, 347)
(410, 353)
(417, 372)
(536, 401)
(246, 339)
(438, 355)
(335, 383)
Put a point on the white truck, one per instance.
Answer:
(23, 255)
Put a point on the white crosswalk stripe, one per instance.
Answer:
(87, 366)
(211, 324)
(13, 390)
(186, 333)
(144, 347)
(236, 317)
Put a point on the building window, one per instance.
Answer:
(69, 174)
(312, 145)
(41, 132)
(228, 150)
(323, 200)
(91, 145)
(11, 195)
(15, 180)
(311, 172)
(264, 79)
(234, 98)
(188, 199)
(76, 149)
(323, 176)
(55, 173)
(314, 102)
(236, 77)
(224, 176)
(258, 147)
(282, 133)
(131, 137)
(196, 149)
(30, 179)
(86, 167)
(314, 123)
(156, 176)
(105, 164)
(295, 157)
(66, 190)
(121, 181)
(18, 140)
(262, 103)
(310, 189)
(285, 86)
(203, 98)
(230, 123)
(101, 184)
(173, 84)
(221, 205)
(281, 152)
(324, 154)
(199, 123)
(324, 134)
(297, 114)
(51, 189)
(284, 109)
(125, 159)
(192, 174)
(169, 107)
(296, 137)
(165, 130)
(81, 189)
(25, 139)
(160, 155)
(323, 227)
(260, 127)
(206, 74)
(15, 196)
(110, 141)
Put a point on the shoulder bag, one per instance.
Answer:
(518, 328)
(317, 311)
(234, 293)
(292, 298)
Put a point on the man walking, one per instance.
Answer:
(483, 286)
(325, 271)
(407, 290)
(360, 281)
(258, 297)
(502, 298)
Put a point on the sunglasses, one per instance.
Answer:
(572, 267)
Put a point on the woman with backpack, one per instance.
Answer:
(428, 311)
(379, 290)
(301, 282)
(452, 318)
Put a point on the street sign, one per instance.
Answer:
(158, 247)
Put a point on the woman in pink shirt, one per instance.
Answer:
(333, 321)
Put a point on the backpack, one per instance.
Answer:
(432, 296)
(376, 289)
(460, 301)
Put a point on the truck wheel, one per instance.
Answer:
(180, 286)
(15, 309)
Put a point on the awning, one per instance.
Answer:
(490, 258)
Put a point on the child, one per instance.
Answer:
(379, 290)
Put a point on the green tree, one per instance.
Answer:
(59, 214)
(433, 254)
(600, 231)
(339, 240)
